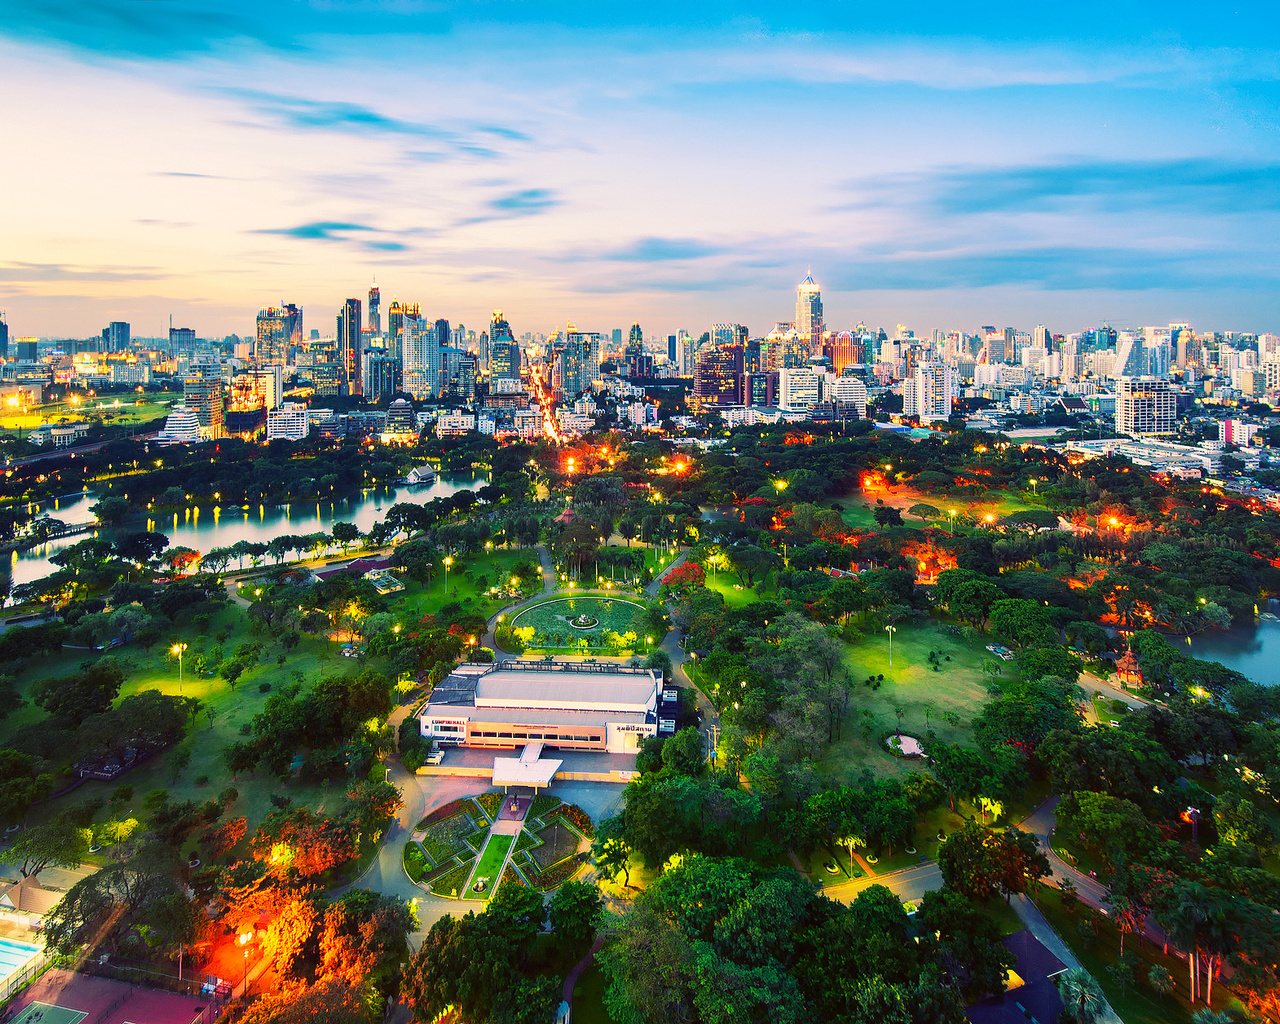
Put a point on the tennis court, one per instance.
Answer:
(48, 1013)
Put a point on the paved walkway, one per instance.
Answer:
(1038, 925)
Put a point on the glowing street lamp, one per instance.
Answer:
(891, 630)
(952, 513)
(448, 561)
(178, 649)
(780, 485)
(1034, 481)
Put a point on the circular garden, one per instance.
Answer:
(574, 623)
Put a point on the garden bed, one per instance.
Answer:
(446, 838)
(576, 817)
(554, 876)
(490, 803)
(476, 839)
(414, 860)
(525, 840)
(452, 882)
(495, 854)
(542, 803)
(453, 807)
(558, 842)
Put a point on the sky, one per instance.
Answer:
(936, 164)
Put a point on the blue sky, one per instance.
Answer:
(942, 165)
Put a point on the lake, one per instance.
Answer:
(1253, 651)
(207, 527)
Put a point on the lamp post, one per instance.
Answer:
(1034, 481)
(952, 513)
(178, 649)
(891, 630)
(448, 561)
(246, 973)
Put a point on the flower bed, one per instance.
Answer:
(558, 842)
(476, 839)
(447, 811)
(576, 817)
(451, 880)
(445, 838)
(555, 876)
(511, 877)
(490, 803)
(542, 803)
(415, 861)
(525, 840)
(438, 871)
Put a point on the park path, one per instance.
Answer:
(575, 973)
(1038, 925)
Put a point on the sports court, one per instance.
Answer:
(65, 997)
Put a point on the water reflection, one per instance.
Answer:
(219, 530)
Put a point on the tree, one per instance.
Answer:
(979, 862)
(1081, 996)
(1022, 622)
(57, 843)
(329, 999)
(682, 753)
(142, 547)
(887, 515)
(575, 912)
(71, 699)
(610, 850)
(345, 534)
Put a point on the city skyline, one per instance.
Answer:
(600, 166)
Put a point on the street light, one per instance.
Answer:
(178, 649)
(1034, 481)
(448, 561)
(952, 513)
(891, 630)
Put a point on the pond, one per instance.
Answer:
(568, 622)
(207, 527)
(1253, 651)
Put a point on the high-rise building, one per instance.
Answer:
(615, 339)
(350, 344)
(809, 309)
(116, 336)
(4, 337)
(1041, 338)
(381, 374)
(843, 349)
(395, 322)
(799, 388)
(181, 339)
(717, 376)
(288, 423)
(1145, 406)
(928, 392)
(671, 348)
(851, 397)
(29, 350)
(203, 395)
(279, 328)
(375, 310)
(635, 341)
(505, 360)
(760, 388)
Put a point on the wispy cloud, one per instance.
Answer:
(663, 250)
(524, 202)
(33, 272)
(339, 231)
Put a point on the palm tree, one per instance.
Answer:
(1081, 996)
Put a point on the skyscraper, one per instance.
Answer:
(4, 337)
(203, 395)
(116, 336)
(635, 341)
(671, 348)
(395, 322)
(717, 377)
(505, 360)
(349, 346)
(809, 309)
(375, 310)
(278, 328)
(928, 392)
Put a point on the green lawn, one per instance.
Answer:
(588, 998)
(958, 689)
(972, 503)
(734, 592)
(491, 860)
(417, 599)
(156, 669)
(126, 413)
(1139, 1003)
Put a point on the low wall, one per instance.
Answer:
(617, 777)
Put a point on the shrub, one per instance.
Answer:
(576, 817)
(415, 861)
(264, 687)
(451, 880)
(490, 803)
(542, 803)
(555, 876)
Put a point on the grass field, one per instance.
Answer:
(417, 600)
(976, 504)
(490, 862)
(122, 410)
(731, 589)
(311, 660)
(959, 689)
(588, 998)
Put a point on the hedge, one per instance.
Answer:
(542, 803)
(490, 803)
(415, 861)
(555, 876)
(455, 879)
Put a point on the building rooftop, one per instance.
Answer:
(535, 716)
(548, 685)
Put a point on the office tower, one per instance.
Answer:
(375, 310)
(4, 337)
(381, 375)
(395, 322)
(203, 395)
(288, 423)
(1145, 406)
(420, 358)
(1041, 338)
(116, 336)
(504, 361)
(28, 350)
(799, 388)
(851, 397)
(760, 388)
(728, 334)
(635, 341)
(1131, 356)
(809, 309)
(928, 392)
(266, 383)
(350, 345)
(671, 348)
(842, 350)
(279, 327)
(181, 339)
(717, 376)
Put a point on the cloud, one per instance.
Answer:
(662, 250)
(1053, 268)
(32, 272)
(524, 202)
(189, 174)
(322, 230)
(305, 114)
(1199, 185)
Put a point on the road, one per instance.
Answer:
(907, 884)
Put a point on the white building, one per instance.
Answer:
(928, 392)
(454, 424)
(287, 423)
(182, 427)
(852, 393)
(799, 389)
(1145, 407)
(562, 705)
